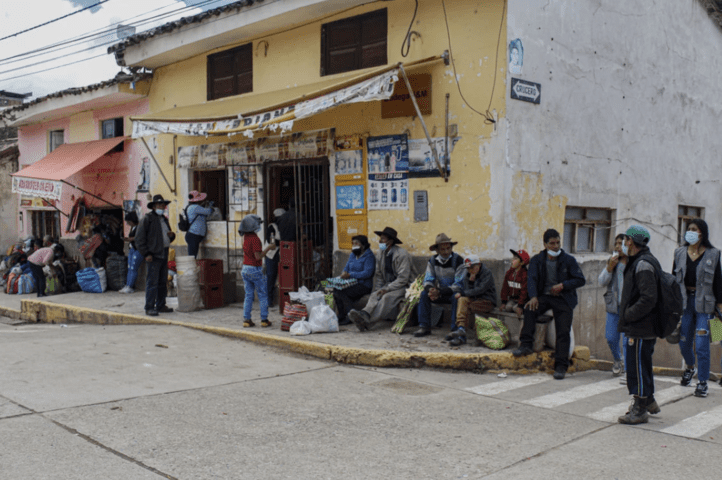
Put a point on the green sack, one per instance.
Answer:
(492, 332)
(715, 330)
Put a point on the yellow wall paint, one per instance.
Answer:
(461, 207)
(82, 128)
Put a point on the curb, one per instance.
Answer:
(40, 311)
(11, 313)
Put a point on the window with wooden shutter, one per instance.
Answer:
(354, 43)
(230, 72)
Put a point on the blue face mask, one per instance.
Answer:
(625, 249)
(159, 211)
(691, 237)
(552, 253)
(382, 246)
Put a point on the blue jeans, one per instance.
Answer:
(425, 309)
(194, 242)
(156, 283)
(612, 334)
(272, 274)
(691, 339)
(254, 281)
(134, 261)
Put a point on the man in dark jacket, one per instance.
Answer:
(637, 313)
(552, 282)
(474, 293)
(152, 239)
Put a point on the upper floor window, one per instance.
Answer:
(113, 127)
(587, 230)
(684, 215)
(56, 138)
(354, 43)
(230, 72)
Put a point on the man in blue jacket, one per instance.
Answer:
(552, 282)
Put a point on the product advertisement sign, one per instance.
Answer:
(388, 159)
(421, 159)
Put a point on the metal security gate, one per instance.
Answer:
(242, 195)
(306, 182)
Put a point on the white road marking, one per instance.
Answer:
(611, 413)
(502, 386)
(577, 393)
(695, 427)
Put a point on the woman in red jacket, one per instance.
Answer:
(513, 291)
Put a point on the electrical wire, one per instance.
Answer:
(488, 117)
(55, 20)
(407, 39)
(54, 68)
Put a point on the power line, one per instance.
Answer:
(55, 20)
(53, 68)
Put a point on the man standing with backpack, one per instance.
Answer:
(638, 312)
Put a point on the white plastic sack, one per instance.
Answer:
(551, 339)
(322, 319)
(103, 278)
(302, 327)
(188, 289)
(308, 298)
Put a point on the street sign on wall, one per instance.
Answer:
(525, 91)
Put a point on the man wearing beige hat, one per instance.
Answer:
(440, 274)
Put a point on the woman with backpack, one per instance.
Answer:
(197, 213)
(697, 271)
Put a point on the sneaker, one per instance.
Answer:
(459, 332)
(522, 351)
(248, 323)
(456, 341)
(701, 390)
(617, 368)
(265, 323)
(151, 313)
(687, 376)
(125, 289)
(637, 413)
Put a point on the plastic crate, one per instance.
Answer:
(283, 298)
(212, 296)
(210, 271)
(287, 277)
(288, 253)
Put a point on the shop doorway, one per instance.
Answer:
(306, 185)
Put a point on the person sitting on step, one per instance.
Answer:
(475, 293)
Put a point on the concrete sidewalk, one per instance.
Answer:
(378, 347)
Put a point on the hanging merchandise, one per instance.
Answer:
(388, 164)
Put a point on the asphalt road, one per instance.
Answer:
(151, 402)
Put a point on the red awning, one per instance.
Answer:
(68, 159)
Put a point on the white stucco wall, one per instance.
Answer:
(629, 116)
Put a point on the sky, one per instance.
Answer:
(92, 32)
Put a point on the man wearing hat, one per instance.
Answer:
(152, 240)
(394, 273)
(474, 292)
(637, 313)
(552, 282)
(441, 271)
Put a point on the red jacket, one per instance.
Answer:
(514, 285)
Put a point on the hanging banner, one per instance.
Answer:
(421, 160)
(37, 188)
(380, 87)
(388, 159)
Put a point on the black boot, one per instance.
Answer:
(637, 414)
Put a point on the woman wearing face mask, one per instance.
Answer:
(697, 270)
(612, 277)
(361, 266)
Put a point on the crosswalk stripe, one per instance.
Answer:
(507, 385)
(578, 393)
(695, 427)
(611, 413)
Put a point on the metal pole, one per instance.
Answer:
(157, 165)
(423, 124)
(92, 195)
(446, 139)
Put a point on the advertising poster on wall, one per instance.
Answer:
(349, 197)
(388, 159)
(243, 189)
(349, 162)
(421, 160)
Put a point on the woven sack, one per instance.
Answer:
(492, 332)
(292, 313)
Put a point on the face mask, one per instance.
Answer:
(382, 246)
(444, 259)
(691, 237)
(159, 211)
(625, 249)
(356, 250)
(552, 253)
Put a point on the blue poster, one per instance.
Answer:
(349, 197)
(388, 154)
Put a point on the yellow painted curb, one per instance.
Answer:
(497, 361)
(10, 313)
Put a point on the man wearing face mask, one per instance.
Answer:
(552, 283)
(394, 273)
(152, 239)
(441, 270)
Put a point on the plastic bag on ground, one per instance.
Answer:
(322, 319)
(302, 327)
(308, 298)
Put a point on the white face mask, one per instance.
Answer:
(691, 237)
(552, 253)
(159, 211)
(625, 249)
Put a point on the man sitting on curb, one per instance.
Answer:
(552, 282)
(394, 273)
(475, 293)
(440, 276)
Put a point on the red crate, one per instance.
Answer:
(287, 277)
(211, 271)
(288, 253)
(283, 298)
(212, 296)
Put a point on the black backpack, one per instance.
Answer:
(184, 224)
(669, 300)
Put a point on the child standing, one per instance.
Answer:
(513, 289)
(254, 281)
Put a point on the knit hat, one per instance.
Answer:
(638, 234)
